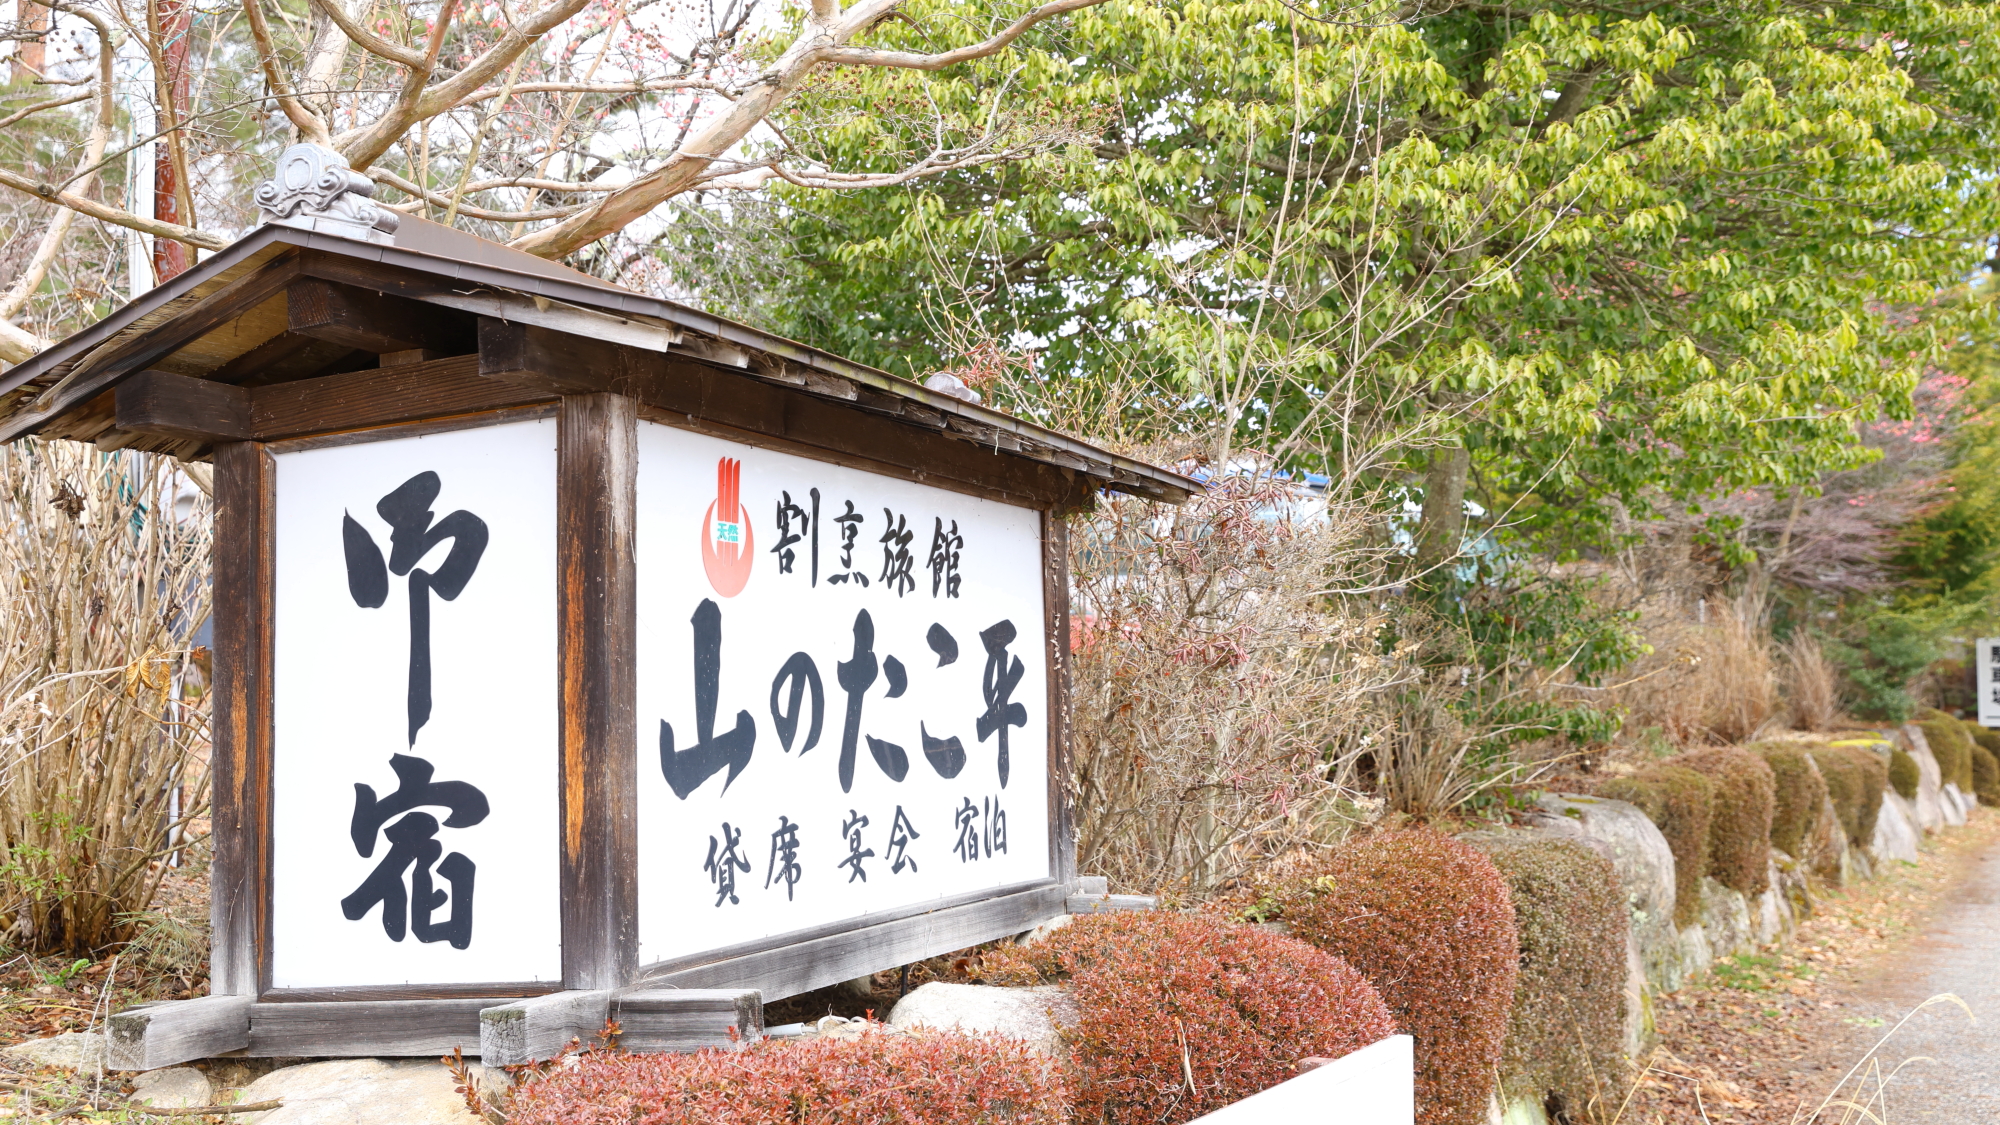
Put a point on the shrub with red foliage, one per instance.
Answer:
(1180, 1015)
(1429, 920)
(935, 1078)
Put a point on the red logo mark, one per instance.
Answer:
(727, 547)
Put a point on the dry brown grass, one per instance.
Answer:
(102, 727)
(1704, 683)
(1219, 693)
(1812, 684)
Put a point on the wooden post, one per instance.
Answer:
(596, 508)
(1055, 601)
(240, 906)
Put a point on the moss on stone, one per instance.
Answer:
(1855, 779)
(1739, 830)
(1566, 1026)
(1985, 776)
(1950, 746)
(1681, 802)
(1904, 776)
(1798, 798)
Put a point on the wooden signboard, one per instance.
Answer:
(579, 655)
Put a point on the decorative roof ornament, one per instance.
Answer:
(314, 189)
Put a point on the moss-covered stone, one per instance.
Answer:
(1904, 776)
(1566, 1024)
(1681, 802)
(1985, 776)
(1739, 830)
(1950, 745)
(1796, 801)
(1855, 779)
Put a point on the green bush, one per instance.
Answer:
(1985, 776)
(1904, 776)
(1982, 737)
(1567, 1024)
(1950, 746)
(1799, 798)
(1739, 830)
(1428, 920)
(1855, 779)
(1682, 803)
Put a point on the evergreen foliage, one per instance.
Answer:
(1739, 833)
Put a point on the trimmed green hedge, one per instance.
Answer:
(1799, 797)
(1855, 779)
(1950, 746)
(1985, 776)
(1904, 776)
(1739, 830)
(1566, 1028)
(1682, 803)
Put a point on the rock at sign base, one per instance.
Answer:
(361, 1092)
(176, 1087)
(72, 1050)
(1033, 1015)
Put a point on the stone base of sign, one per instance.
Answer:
(363, 1092)
(1034, 1015)
(173, 1088)
(151, 1036)
(81, 1051)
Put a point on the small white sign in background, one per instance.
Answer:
(913, 616)
(1986, 657)
(469, 532)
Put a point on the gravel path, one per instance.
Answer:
(1960, 955)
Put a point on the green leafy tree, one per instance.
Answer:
(1620, 257)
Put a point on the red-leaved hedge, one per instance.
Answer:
(1429, 920)
(1180, 1015)
(935, 1078)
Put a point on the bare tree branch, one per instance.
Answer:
(309, 124)
(822, 40)
(366, 39)
(30, 111)
(112, 215)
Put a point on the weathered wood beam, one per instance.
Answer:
(1109, 904)
(156, 402)
(736, 405)
(151, 1036)
(240, 764)
(540, 1028)
(843, 955)
(688, 1019)
(597, 464)
(381, 396)
(367, 1027)
(118, 357)
(372, 321)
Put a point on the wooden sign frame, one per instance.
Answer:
(461, 342)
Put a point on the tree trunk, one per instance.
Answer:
(1441, 530)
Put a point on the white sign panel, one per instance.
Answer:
(843, 694)
(1986, 657)
(415, 761)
